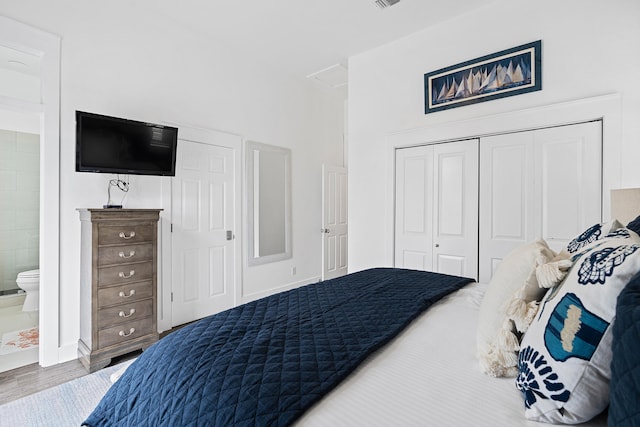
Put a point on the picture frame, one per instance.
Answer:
(501, 74)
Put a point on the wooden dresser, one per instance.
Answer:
(118, 283)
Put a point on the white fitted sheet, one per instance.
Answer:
(427, 376)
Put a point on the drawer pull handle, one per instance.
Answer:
(125, 256)
(132, 292)
(124, 334)
(131, 313)
(124, 276)
(131, 235)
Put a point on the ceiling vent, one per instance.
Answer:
(334, 76)
(386, 3)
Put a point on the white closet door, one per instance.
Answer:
(569, 159)
(506, 198)
(455, 221)
(437, 208)
(544, 183)
(414, 208)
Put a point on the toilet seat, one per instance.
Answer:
(31, 274)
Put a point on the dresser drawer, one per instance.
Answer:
(124, 294)
(125, 273)
(125, 332)
(127, 312)
(123, 254)
(109, 234)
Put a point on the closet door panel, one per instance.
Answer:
(455, 227)
(570, 184)
(414, 193)
(508, 176)
(544, 183)
(506, 180)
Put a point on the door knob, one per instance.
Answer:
(325, 230)
(437, 245)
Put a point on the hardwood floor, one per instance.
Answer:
(33, 378)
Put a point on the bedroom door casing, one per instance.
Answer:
(545, 183)
(436, 227)
(335, 227)
(203, 240)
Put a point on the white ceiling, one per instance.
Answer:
(303, 37)
(299, 37)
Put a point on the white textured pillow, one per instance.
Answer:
(497, 344)
(564, 363)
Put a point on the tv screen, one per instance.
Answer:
(113, 145)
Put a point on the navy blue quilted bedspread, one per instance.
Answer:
(624, 406)
(266, 362)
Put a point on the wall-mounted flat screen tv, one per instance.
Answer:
(114, 145)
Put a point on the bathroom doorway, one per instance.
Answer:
(30, 87)
(19, 237)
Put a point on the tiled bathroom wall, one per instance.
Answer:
(19, 205)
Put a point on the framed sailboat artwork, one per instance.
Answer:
(506, 73)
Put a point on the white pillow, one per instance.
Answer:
(497, 344)
(564, 362)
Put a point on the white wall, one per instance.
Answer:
(124, 60)
(589, 49)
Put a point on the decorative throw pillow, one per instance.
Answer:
(624, 408)
(524, 304)
(634, 225)
(553, 272)
(589, 236)
(496, 341)
(565, 356)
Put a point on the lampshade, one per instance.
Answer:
(625, 204)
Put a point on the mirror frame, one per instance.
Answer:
(252, 203)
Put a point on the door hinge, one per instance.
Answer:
(171, 296)
(171, 227)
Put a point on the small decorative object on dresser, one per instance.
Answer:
(118, 273)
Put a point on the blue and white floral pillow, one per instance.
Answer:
(589, 236)
(565, 355)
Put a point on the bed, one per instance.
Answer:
(422, 369)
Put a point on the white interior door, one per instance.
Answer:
(414, 208)
(203, 243)
(544, 183)
(506, 198)
(569, 161)
(455, 217)
(437, 208)
(335, 227)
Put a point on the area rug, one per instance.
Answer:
(19, 340)
(68, 404)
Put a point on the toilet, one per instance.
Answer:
(29, 281)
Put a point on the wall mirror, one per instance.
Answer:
(268, 180)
